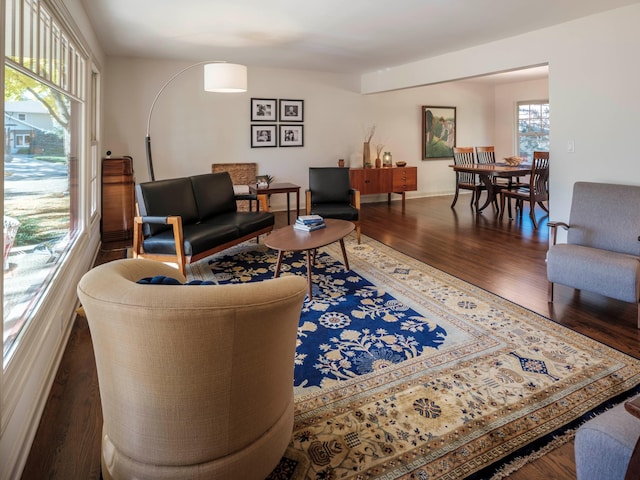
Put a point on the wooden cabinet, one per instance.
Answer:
(371, 180)
(385, 180)
(118, 200)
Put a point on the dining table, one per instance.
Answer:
(486, 173)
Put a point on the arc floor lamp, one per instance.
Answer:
(219, 76)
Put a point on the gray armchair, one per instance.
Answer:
(602, 253)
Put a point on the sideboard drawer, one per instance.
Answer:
(405, 179)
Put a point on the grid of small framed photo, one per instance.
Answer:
(281, 122)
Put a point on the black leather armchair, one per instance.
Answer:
(330, 195)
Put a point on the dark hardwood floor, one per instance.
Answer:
(506, 258)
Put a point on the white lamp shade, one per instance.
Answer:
(225, 77)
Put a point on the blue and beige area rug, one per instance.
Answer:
(403, 371)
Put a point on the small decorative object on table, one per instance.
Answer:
(263, 181)
(379, 148)
(513, 160)
(309, 223)
(401, 164)
(366, 147)
(386, 159)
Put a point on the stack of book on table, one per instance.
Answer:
(309, 223)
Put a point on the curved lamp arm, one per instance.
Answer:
(231, 85)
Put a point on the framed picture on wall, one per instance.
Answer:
(438, 132)
(291, 135)
(264, 136)
(291, 110)
(263, 110)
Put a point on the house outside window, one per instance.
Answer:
(533, 128)
(38, 210)
(44, 91)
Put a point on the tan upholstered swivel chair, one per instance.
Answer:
(195, 381)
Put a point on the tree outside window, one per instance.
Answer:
(533, 128)
(39, 204)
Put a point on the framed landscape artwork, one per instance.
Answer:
(438, 132)
(263, 136)
(263, 110)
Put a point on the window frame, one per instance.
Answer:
(27, 376)
(517, 140)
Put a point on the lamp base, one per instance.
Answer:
(152, 177)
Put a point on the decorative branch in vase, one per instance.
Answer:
(366, 148)
(379, 148)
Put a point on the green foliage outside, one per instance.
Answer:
(44, 219)
(16, 85)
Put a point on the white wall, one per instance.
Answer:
(506, 98)
(398, 117)
(191, 129)
(593, 92)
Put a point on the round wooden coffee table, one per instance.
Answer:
(292, 240)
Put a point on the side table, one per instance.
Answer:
(280, 188)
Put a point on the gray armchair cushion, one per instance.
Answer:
(614, 275)
(604, 444)
(605, 216)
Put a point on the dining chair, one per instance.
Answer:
(487, 154)
(537, 192)
(466, 180)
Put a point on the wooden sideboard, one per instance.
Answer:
(118, 200)
(387, 180)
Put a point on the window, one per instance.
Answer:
(38, 210)
(44, 72)
(533, 128)
(21, 139)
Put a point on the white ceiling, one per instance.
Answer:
(341, 36)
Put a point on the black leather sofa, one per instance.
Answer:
(183, 220)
